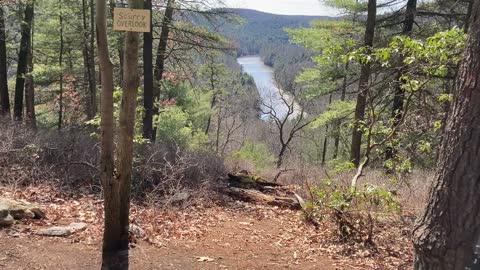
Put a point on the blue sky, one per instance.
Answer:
(287, 7)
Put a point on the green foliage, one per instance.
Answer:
(347, 6)
(335, 111)
(117, 101)
(331, 40)
(174, 126)
(340, 166)
(255, 153)
(354, 212)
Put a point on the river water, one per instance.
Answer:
(267, 88)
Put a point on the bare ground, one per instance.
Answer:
(236, 235)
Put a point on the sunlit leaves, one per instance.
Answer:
(335, 111)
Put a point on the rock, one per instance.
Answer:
(6, 220)
(180, 197)
(78, 226)
(19, 209)
(136, 231)
(62, 231)
(56, 231)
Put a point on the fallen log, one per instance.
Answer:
(246, 180)
(259, 197)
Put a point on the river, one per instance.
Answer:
(266, 86)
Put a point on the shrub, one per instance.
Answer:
(355, 212)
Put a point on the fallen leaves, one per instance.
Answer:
(204, 259)
(258, 232)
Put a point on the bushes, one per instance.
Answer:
(69, 158)
(355, 212)
(255, 153)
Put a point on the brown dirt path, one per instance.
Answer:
(238, 240)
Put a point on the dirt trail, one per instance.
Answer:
(238, 240)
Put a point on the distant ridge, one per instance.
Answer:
(247, 12)
(262, 29)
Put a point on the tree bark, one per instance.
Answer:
(30, 87)
(339, 122)
(213, 101)
(148, 80)
(363, 86)
(446, 233)
(89, 64)
(60, 63)
(91, 61)
(112, 253)
(399, 94)
(22, 62)
(161, 56)
(325, 138)
(4, 98)
(131, 83)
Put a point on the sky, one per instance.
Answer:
(286, 7)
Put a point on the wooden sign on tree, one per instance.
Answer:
(131, 20)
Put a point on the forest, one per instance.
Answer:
(188, 134)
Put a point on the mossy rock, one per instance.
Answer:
(18, 210)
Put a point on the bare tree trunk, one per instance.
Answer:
(217, 134)
(399, 95)
(161, 56)
(209, 120)
(469, 14)
(213, 102)
(4, 98)
(60, 63)
(91, 61)
(363, 86)
(127, 123)
(22, 62)
(120, 41)
(446, 233)
(325, 138)
(148, 79)
(88, 66)
(339, 123)
(86, 72)
(30, 87)
(112, 249)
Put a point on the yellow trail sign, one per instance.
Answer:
(131, 20)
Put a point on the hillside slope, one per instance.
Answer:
(260, 29)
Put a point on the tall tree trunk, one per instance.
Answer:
(469, 14)
(60, 63)
(161, 55)
(120, 41)
(446, 233)
(213, 101)
(399, 94)
(217, 133)
(22, 62)
(363, 85)
(111, 250)
(339, 122)
(89, 76)
(86, 72)
(148, 79)
(127, 123)
(91, 61)
(4, 98)
(30, 87)
(325, 138)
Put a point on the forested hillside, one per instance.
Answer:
(260, 30)
(264, 34)
(164, 147)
